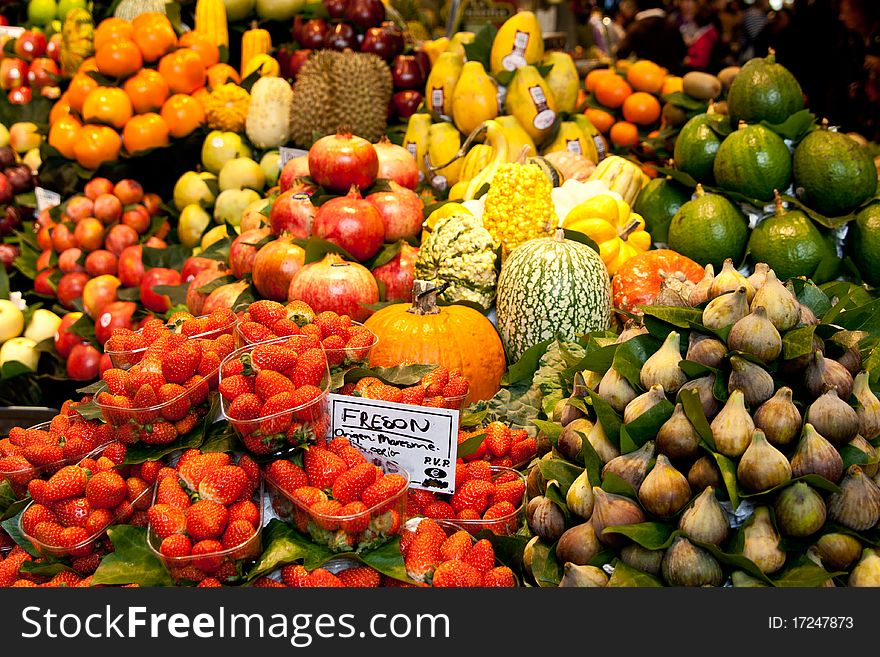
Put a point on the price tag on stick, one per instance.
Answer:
(422, 440)
(287, 154)
(46, 198)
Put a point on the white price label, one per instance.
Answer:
(46, 198)
(422, 440)
(11, 31)
(288, 154)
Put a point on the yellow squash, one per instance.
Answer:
(619, 232)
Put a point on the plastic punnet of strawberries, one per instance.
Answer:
(440, 388)
(275, 393)
(442, 556)
(206, 515)
(339, 498)
(509, 448)
(42, 450)
(346, 343)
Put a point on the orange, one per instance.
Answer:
(96, 144)
(60, 108)
(623, 65)
(147, 90)
(220, 73)
(624, 134)
(201, 95)
(594, 76)
(80, 87)
(203, 45)
(182, 114)
(154, 35)
(89, 64)
(145, 131)
(645, 75)
(62, 135)
(611, 91)
(119, 59)
(641, 108)
(601, 119)
(183, 70)
(108, 105)
(111, 29)
(671, 84)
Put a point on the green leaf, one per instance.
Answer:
(813, 480)
(508, 549)
(209, 287)
(470, 445)
(7, 497)
(598, 360)
(734, 560)
(471, 420)
(678, 176)
(399, 375)
(546, 568)
(627, 576)
(551, 429)
(316, 249)
(285, 545)
(219, 250)
(646, 425)
(140, 452)
(854, 456)
(45, 569)
(11, 527)
(685, 102)
(863, 318)
(385, 255)
(479, 49)
(219, 437)
(615, 484)
(560, 471)
(607, 417)
(176, 293)
(803, 573)
(631, 356)
(524, 369)
(680, 317)
(795, 127)
(15, 507)
(693, 410)
(170, 257)
(131, 561)
(650, 535)
(809, 294)
(387, 559)
(798, 342)
(4, 283)
(591, 460)
(728, 474)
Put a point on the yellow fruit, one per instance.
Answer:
(529, 99)
(475, 98)
(441, 84)
(518, 140)
(443, 143)
(518, 42)
(563, 80)
(266, 64)
(416, 140)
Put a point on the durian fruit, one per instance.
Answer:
(128, 10)
(226, 108)
(77, 40)
(335, 89)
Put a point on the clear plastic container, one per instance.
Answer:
(85, 547)
(353, 533)
(291, 427)
(504, 526)
(181, 568)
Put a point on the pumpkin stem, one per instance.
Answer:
(523, 154)
(425, 297)
(628, 229)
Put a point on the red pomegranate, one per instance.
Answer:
(194, 265)
(195, 300)
(297, 167)
(224, 297)
(397, 164)
(352, 223)
(275, 266)
(401, 210)
(242, 251)
(292, 212)
(337, 285)
(398, 273)
(339, 161)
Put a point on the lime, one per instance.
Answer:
(709, 229)
(753, 161)
(764, 91)
(658, 202)
(42, 12)
(696, 146)
(863, 243)
(65, 6)
(834, 174)
(791, 244)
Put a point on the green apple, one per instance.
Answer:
(232, 203)
(66, 5)
(42, 12)
(4, 136)
(11, 320)
(253, 216)
(278, 10)
(237, 10)
(220, 147)
(240, 173)
(43, 325)
(196, 188)
(22, 350)
(192, 223)
(270, 163)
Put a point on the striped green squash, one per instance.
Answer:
(548, 287)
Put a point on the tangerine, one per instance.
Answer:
(154, 35)
(203, 45)
(183, 70)
(88, 64)
(60, 108)
(80, 87)
(612, 90)
(601, 119)
(111, 29)
(145, 131)
(96, 144)
(108, 105)
(645, 75)
(221, 74)
(594, 76)
(624, 134)
(641, 108)
(63, 134)
(147, 90)
(182, 114)
(119, 59)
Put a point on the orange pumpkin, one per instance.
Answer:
(456, 337)
(638, 280)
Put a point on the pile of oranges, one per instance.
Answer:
(630, 99)
(139, 91)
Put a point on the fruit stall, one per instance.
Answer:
(295, 295)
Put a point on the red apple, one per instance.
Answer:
(352, 223)
(80, 207)
(6, 191)
(83, 363)
(340, 37)
(335, 8)
(223, 297)
(53, 48)
(401, 211)
(104, 364)
(13, 73)
(405, 103)
(117, 314)
(365, 13)
(119, 238)
(407, 73)
(97, 186)
(333, 284)
(20, 176)
(131, 267)
(70, 288)
(242, 252)
(30, 45)
(297, 167)
(274, 267)
(8, 254)
(44, 72)
(101, 262)
(398, 274)
(68, 260)
(296, 61)
(42, 283)
(195, 300)
(152, 300)
(311, 35)
(20, 96)
(64, 339)
(292, 213)
(195, 265)
(98, 293)
(107, 208)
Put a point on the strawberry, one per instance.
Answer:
(277, 357)
(501, 518)
(106, 490)
(354, 525)
(37, 490)
(206, 519)
(231, 368)
(511, 491)
(269, 383)
(254, 332)
(145, 400)
(251, 471)
(64, 579)
(334, 348)
(414, 395)
(118, 381)
(44, 453)
(307, 403)
(498, 577)
(338, 443)
(360, 341)
(361, 577)
(457, 574)
(33, 515)
(225, 485)
(207, 558)
(474, 495)
(423, 551)
(308, 496)
(86, 565)
(320, 578)
(267, 583)
(478, 470)
(194, 466)
(188, 423)
(439, 511)
(322, 467)
(300, 312)
(73, 512)
(294, 575)
(160, 432)
(179, 364)
(481, 556)
(149, 470)
(257, 443)
(166, 520)
(331, 324)
(198, 388)
(421, 497)
(232, 386)
(523, 451)
(457, 386)
(244, 407)
(49, 532)
(176, 546)
(220, 318)
(209, 583)
(266, 312)
(384, 392)
(276, 410)
(209, 362)
(310, 368)
(238, 532)
(69, 481)
(383, 489)
(498, 440)
(456, 546)
(171, 493)
(141, 377)
(503, 462)
(286, 475)
(324, 514)
(435, 402)
(245, 510)
(434, 381)
(365, 384)
(350, 485)
(17, 469)
(115, 452)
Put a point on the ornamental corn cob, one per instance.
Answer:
(210, 19)
(519, 207)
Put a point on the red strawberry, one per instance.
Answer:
(194, 466)
(254, 332)
(266, 312)
(423, 550)
(118, 381)
(383, 489)
(235, 385)
(149, 470)
(231, 368)
(523, 451)
(266, 583)
(181, 363)
(49, 533)
(439, 511)
(358, 524)
(245, 407)
(308, 496)
(166, 520)
(477, 454)
(211, 583)
(269, 383)
(310, 368)
(209, 363)
(170, 492)
(76, 541)
(434, 381)
(500, 576)
(384, 392)
(86, 566)
(456, 546)
(206, 519)
(115, 452)
(143, 377)
(160, 432)
(176, 546)
(286, 475)
(188, 423)
(338, 443)
(362, 577)
(320, 578)
(331, 324)
(498, 440)
(503, 461)
(323, 467)
(334, 348)
(208, 558)
(457, 386)
(414, 395)
(251, 470)
(44, 452)
(324, 514)
(350, 485)
(294, 575)
(106, 490)
(478, 470)
(33, 515)
(299, 312)
(457, 574)
(481, 556)
(146, 399)
(245, 510)
(474, 495)
(352, 456)
(360, 340)
(501, 518)
(72, 512)
(285, 327)
(277, 357)
(137, 493)
(276, 410)
(237, 533)
(511, 491)
(225, 485)
(421, 497)
(175, 402)
(69, 481)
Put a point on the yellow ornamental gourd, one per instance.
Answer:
(255, 41)
(619, 232)
(226, 108)
(210, 19)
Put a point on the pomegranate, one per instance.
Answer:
(195, 300)
(242, 252)
(398, 273)
(337, 285)
(224, 297)
(401, 212)
(275, 266)
(352, 223)
(339, 161)
(292, 213)
(397, 164)
(297, 167)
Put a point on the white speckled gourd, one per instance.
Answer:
(548, 287)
